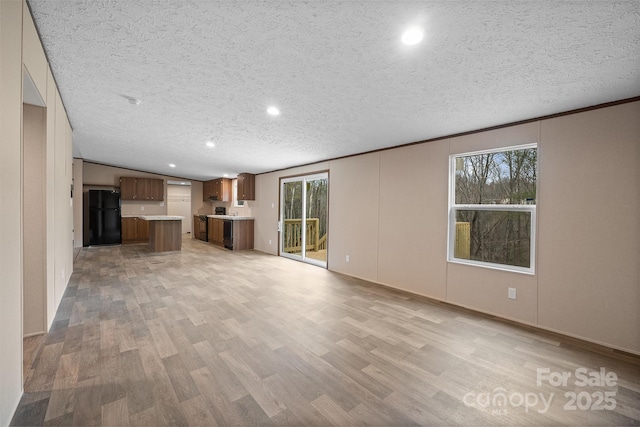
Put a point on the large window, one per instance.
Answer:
(492, 208)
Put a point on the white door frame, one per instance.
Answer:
(303, 198)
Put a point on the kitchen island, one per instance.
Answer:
(165, 232)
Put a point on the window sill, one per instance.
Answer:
(491, 266)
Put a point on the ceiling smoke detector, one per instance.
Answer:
(132, 100)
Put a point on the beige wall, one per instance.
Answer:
(388, 212)
(20, 50)
(10, 207)
(589, 239)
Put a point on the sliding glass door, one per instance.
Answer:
(303, 218)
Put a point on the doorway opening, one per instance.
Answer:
(179, 202)
(34, 216)
(304, 211)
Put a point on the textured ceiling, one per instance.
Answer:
(344, 82)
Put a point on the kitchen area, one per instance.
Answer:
(224, 227)
(137, 210)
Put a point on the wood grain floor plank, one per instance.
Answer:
(229, 384)
(221, 408)
(332, 411)
(299, 405)
(183, 385)
(197, 413)
(115, 414)
(44, 368)
(89, 363)
(161, 338)
(253, 384)
(87, 406)
(146, 418)
(132, 379)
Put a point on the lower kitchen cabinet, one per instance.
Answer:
(134, 230)
(242, 234)
(216, 231)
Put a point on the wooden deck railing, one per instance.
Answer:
(462, 248)
(293, 235)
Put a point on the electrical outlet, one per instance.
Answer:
(269, 241)
(347, 258)
(272, 205)
(511, 293)
(141, 208)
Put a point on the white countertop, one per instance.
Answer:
(161, 217)
(231, 217)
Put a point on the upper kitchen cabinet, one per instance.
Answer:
(150, 189)
(217, 190)
(155, 189)
(246, 186)
(127, 188)
(207, 190)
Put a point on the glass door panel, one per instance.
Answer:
(292, 218)
(316, 211)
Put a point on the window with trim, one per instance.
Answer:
(236, 203)
(492, 208)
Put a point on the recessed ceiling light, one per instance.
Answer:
(210, 144)
(273, 111)
(412, 36)
(226, 174)
(171, 165)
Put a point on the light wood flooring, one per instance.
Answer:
(212, 337)
(30, 348)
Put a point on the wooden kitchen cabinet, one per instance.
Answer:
(216, 231)
(132, 188)
(127, 188)
(242, 230)
(207, 190)
(134, 230)
(222, 189)
(243, 235)
(217, 190)
(246, 186)
(155, 189)
(128, 229)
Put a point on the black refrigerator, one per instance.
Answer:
(104, 217)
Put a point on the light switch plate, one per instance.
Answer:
(511, 293)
